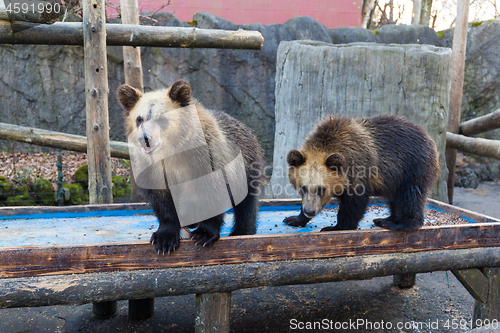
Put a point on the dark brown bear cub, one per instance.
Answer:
(193, 164)
(352, 159)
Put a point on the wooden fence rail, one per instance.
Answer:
(58, 140)
(130, 35)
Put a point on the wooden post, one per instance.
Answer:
(96, 90)
(133, 70)
(404, 281)
(457, 83)
(490, 309)
(140, 309)
(213, 312)
(143, 308)
(415, 18)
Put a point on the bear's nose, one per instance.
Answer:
(309, 212)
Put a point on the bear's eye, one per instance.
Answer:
(138, 121)
(303, 189)
(321, 191)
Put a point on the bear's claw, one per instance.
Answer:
(164, 242)
(204, 238)
(295, 221)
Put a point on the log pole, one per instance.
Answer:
(481, 124)
(142, 308)
(476, 146)
(213, 312)
(133, 72)
(71, 33)
(57, 140)
(96, 90)
(457, 83)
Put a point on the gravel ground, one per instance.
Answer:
(435, 304)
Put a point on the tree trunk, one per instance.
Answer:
(425, 12)
(415, 18)
(314, 79)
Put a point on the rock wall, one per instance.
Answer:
(43, 86)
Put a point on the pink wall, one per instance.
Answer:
(331, 13)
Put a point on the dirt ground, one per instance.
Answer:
(438, 303)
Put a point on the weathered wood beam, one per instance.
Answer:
(34, 11)
(457, 84)
(477, 146)
(474, 281)
(85, 288)
(91, 258)
(130, 35)
(46, 138)
(489, 310)
(481, 124)
(213, 312)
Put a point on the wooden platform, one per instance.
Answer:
(40, 275)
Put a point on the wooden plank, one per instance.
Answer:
(71, 33)
(474, 281)
(477, 146)
(41, 12)
(85, 288)
(54, 139)
(489, 310)
(474, 216)
(11, 211)
(213, 312)
(96, 90)
(481, 124)
(71, 259)
(457, 83)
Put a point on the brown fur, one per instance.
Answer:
(385, 155)
(221, 132)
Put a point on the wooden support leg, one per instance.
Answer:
(490, 308)
(104, 310)
(404, 281)
(213, 312)
(140, 309)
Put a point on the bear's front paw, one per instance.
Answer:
(165, 241)
(295, 221)
(334, 228)
(204, 238)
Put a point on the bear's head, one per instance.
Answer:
(148, 115)
(317, 176)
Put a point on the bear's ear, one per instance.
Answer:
(295, 158)
(128, 96)
(335, 162)
(180, 92)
